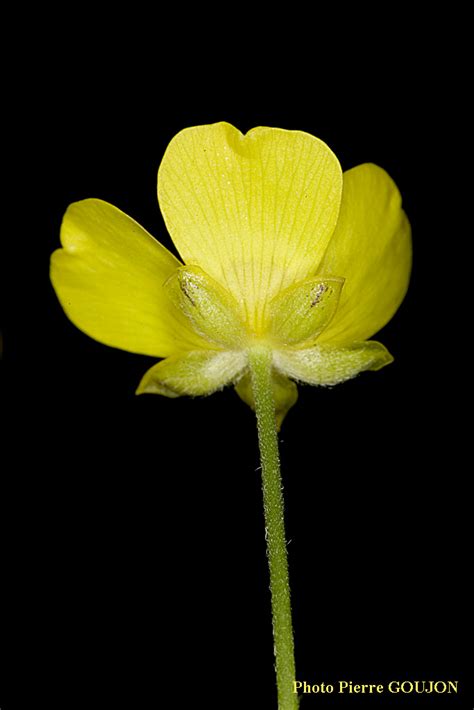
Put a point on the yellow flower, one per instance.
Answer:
(281, 249)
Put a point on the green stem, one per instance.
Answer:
(260, 361)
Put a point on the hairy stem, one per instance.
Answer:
(260, 361)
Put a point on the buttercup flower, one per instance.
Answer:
(280, 249)
(289, 266)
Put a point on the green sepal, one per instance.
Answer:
(199, 372)
(211, 310)
(300, 313)
(330, 365)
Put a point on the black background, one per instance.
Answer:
(134, 556)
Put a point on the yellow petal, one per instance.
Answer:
(256, 212)
(329, 365)
(210, 309)
(300, 313)
(285, 394)
(109, 279)
(371, 250)
(193, 373)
